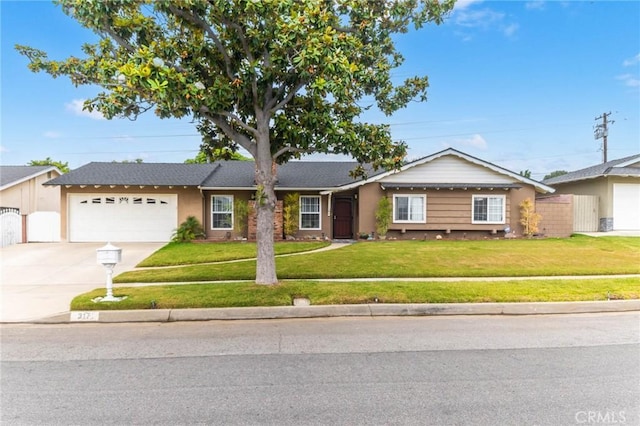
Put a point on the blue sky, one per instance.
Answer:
(516, 83)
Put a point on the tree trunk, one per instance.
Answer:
(265, 206)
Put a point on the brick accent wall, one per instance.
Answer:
(278, 222)
(557, 215)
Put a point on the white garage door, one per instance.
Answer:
(124, 217)
(626, 206)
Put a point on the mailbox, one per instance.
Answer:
(109, 255)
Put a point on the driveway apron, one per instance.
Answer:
(41, 279)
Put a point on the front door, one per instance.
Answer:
(342, 218)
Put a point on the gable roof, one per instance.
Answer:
(14, 175)
(619, 167)
(515, 177)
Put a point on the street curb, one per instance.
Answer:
(326, 311)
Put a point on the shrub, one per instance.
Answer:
(290, 213)
(529, 218)
(383, 216)
(188, 231)
(240, 213)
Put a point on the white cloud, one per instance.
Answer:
(464, 4)
(474, 141)
(510, 29)
(483, 19)
(631, 61)
(3, 149)
(534, 5)
(76, 106)
(629, 80)
(52, 134)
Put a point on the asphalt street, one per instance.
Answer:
(544, 370)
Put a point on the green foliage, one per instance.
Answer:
(526, 173)
(383, 216)
(240, 214)
(529, 218)
(291, 213)
(188, 231)
(63, 167)
(555, 173)
(290, 74)
(136, 161)
(221, 154)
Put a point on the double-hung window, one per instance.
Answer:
(222, 212)
(409, 208)
(488, 209)
(310, 212)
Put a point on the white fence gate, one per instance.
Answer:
(43, 227)
(10, 226)
(585, 213)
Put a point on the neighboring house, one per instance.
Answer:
(615, 188)
(448, 192)
(34, 207)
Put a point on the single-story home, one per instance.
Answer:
(28, 210)
(615, 188)
(445, 193)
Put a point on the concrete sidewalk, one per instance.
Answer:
(326, 311)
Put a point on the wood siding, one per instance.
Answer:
(448, 169)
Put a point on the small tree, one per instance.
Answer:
(383, 216)
(291, 212)
(240, 214)
(528, 217)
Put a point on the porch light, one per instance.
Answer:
(108, 256)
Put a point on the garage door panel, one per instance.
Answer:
(122, 217)
(626, 207)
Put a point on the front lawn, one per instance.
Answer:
(579, 255)
(323, 293)
(194, 253)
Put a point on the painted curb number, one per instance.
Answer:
(84, 316)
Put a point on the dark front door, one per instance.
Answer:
(342, 218)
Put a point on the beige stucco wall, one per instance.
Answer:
(189, 200)
(31, 196)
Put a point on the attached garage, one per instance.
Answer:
(122, 217)
(626, 206)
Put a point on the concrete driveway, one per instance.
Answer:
(40, 279)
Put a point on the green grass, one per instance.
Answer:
(322, 293)
(579, 255)
(194, 253)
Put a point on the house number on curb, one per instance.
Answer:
(84, 316)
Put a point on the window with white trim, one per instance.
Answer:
(222, 212)
(488, 209)
(409, 208)
(310, 212)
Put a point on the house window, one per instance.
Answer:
(222, 212)
(488, 209)
(310, 212)
(409, 208)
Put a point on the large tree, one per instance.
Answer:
(279, 78)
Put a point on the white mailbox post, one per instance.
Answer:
(109, 256)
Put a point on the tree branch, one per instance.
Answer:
(291, 149)
(200, 23)
(222, 123)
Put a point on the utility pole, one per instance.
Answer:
(600, 131)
